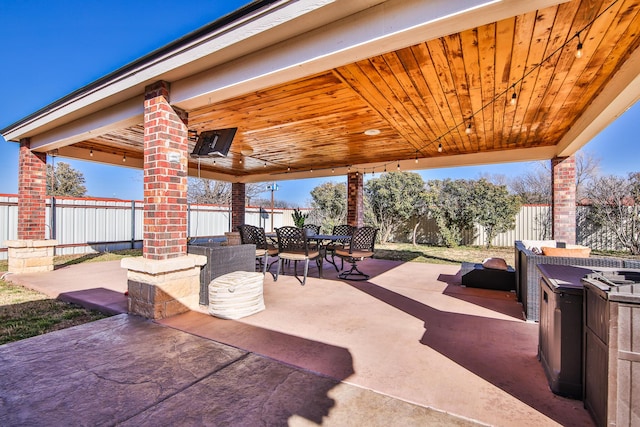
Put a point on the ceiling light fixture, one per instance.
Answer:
(372, 132)
(246, 151)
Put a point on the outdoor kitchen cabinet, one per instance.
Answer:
(560, 328)
(612, 347)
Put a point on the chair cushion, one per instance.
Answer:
(581, 252)
(356, 254)
(298, 256)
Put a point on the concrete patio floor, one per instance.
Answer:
(411, 336)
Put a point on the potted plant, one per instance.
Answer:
(299, 217)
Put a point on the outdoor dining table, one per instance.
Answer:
(322, 240)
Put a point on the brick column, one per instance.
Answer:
(563, 184)
(32, 193)
(355, 199)
(238, 197)
(165, 176)
(31, 253)
(165, 280)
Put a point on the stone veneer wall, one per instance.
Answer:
(163, 288)
(30, 256)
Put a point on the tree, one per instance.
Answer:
(495, 209)
(615, 206)
(329, 201)
(392, 199)
(63, 180)
(534, 186)
(210, 191)
(451, 205)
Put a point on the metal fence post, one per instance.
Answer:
(133, 224)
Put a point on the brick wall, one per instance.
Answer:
(563, 180)
(165, 176)
(32, 193)
(355, 199)
(238, 196)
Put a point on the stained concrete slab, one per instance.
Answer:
(125, 370)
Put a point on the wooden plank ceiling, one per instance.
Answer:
(424, 96)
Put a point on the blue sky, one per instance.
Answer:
(51, 48)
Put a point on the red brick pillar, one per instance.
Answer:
(32, 193)
(355, 199)
(238, 197)
(563, 184)
(165, 176)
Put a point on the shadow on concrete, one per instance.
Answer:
(490, 348)
(125, 370)
(105, 300)
(491, 299)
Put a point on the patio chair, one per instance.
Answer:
(294, 246)
(250, 234)
(339, 230)
(312, 229)
(315, 229)
(360, 247)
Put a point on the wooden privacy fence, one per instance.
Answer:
(87, 225)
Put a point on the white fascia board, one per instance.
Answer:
(385, 27)
(617, 97)
(122, 115)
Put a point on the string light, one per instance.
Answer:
(579, 50)
(91, 153)
(124, 158)
(513, 100)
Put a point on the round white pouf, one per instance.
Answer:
(236, 295)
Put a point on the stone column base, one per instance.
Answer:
(163, 288)
(30, 256)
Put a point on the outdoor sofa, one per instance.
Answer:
(528, 254)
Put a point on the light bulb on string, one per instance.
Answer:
(468, 130)
(579, 49)
(439, 148)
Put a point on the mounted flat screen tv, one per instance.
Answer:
(214, 143)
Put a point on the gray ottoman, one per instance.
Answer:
(235, 295)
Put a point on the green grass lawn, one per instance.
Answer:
(26, 313)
